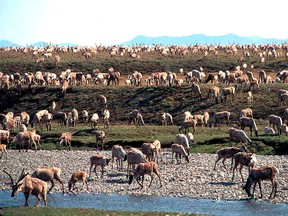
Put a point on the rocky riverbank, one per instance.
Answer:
(195, 179)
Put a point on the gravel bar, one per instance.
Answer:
(195, 179)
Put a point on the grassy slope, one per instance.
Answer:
(11, 62)
(151, 101)
(23, 211)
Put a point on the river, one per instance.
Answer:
(151, 203)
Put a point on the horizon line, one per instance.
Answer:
(152, 37)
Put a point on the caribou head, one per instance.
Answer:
(16, 187)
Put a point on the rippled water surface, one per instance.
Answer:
(151, 203)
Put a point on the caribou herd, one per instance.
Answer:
(145, 161)
(240, 75)
(68, 78)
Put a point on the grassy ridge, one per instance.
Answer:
(208, 140)
(11, 62)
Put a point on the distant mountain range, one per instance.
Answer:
(169, 40)
(6, 43)
(203, 39)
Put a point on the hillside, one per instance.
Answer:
(151, 101)
(148, 62)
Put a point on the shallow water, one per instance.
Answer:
(150, 203)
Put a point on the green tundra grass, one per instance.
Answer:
(30, 211)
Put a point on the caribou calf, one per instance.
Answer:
(77, 176)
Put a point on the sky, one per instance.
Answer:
(111, 22)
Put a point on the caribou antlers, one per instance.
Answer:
(11, 179)
(22, 176)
